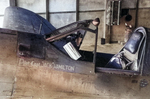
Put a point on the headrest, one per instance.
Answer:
(133, 43)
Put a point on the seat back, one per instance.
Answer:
(131, 49)
(127, 58)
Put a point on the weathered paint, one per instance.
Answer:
(32, 78)
(53, 65)
(43, 83)
(34, 83)
(8, 64)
